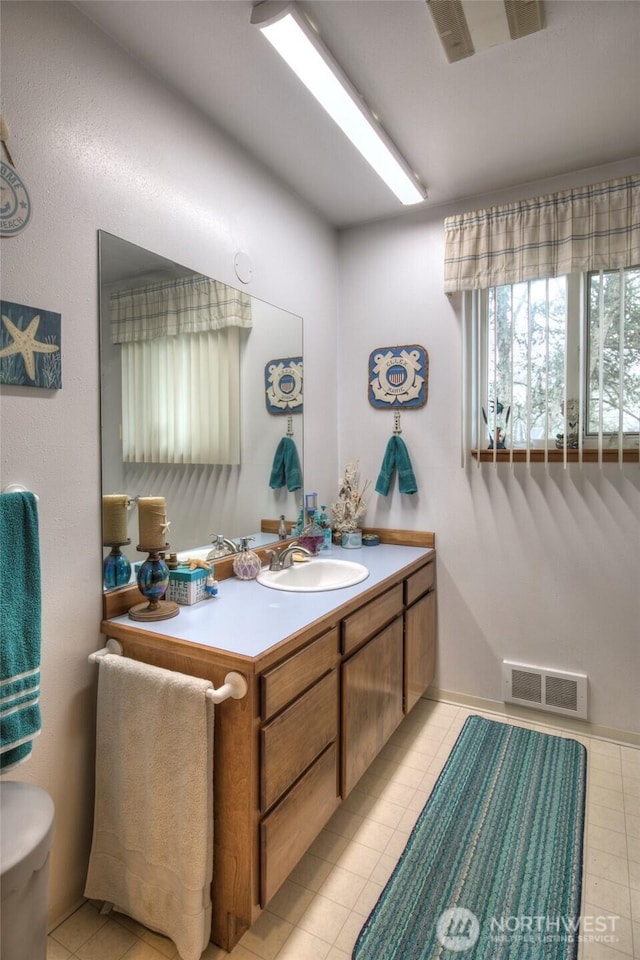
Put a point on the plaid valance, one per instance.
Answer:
(192, 304)
(588, 228)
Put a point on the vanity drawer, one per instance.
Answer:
(366, 622)
(292, 826)
(419, 583)
(291, 742)
(288, 680)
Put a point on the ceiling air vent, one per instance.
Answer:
(524, 17)
(452, 28)
(466, 27)
(544, 689)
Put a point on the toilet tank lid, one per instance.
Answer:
(26, 831)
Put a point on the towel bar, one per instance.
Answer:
(234, 686)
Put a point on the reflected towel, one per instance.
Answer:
(286, 466)
(396, 456)
(152, 848)
(20, 627)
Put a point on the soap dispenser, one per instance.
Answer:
(246, 563)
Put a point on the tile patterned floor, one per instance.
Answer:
(318, 912)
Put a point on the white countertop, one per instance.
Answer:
(247, 618)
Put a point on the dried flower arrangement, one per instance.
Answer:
(351, 504)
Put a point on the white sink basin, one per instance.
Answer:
(314, 575)
(197, 553)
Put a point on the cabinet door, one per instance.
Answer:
(419, 648)
(371, 701)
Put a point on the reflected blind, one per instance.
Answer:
(180, 360)
(181, 398)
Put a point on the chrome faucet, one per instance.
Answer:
(222, 547)
(282, 560)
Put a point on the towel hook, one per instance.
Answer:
(289, 425)
(18, 488)
(396, 422)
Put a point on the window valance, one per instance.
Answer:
(588, 228)
(194, 304)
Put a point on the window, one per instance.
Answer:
(613, 364)
(556, 363)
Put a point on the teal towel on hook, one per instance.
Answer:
(286, 466)
(396, 457)
(20, 627)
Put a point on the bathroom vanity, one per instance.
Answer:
(330, 676)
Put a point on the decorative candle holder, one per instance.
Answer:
(153, 580)
(116, 569)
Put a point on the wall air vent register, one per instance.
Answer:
(543, 689)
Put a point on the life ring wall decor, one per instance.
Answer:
(398, 377)
(283, 385)
(15, 203)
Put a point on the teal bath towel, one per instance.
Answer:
(20, 626)
(396, 456)
(286, 466)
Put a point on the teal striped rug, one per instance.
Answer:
(493, 867)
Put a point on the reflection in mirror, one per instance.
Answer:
(203, 499)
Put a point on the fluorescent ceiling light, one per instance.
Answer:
(288, 30)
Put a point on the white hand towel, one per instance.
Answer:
(152, 849)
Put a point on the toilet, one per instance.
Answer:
(26, 834)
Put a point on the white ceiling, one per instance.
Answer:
(563, 99)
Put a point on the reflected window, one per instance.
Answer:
(180, 345)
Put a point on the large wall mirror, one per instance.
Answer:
(203, 499)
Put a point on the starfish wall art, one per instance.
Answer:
(30, 348)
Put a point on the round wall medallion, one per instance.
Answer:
(15, 205)
(244, 267)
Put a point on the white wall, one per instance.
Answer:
(539, 565)
(101, 144)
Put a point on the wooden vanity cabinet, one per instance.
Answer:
(298, 757)
(319, 708)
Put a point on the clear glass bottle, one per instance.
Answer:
(282, 529)
(312, 534)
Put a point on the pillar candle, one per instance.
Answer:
(114, 518)
(152, 523)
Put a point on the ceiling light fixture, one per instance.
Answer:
(291, 34)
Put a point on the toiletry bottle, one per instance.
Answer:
(312, 535)
(282, 529)
(299, 524)
(211, 584)
(246, 563)
(325, 523)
